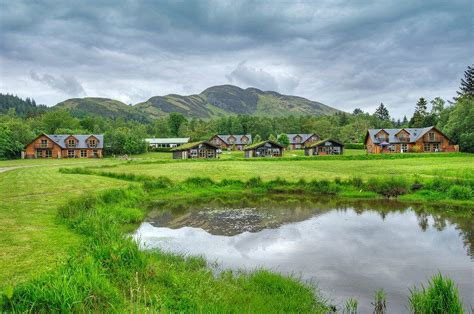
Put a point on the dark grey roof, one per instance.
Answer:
(238, 139)
(304, 137)
(415, 134)
(61, 138)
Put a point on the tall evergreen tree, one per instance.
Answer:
(417, 121)
(467, 83)
(382, 112)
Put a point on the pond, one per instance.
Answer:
(347, 250)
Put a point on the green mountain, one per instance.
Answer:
(104, 107)
(213, 102)
(226, 100)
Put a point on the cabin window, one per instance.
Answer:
(426, 147)
(297, 139)
(48, 153)
(44, 143)
(83, 153)
(231, 140)
(244, 140)
(70, 153)
(95, 153)
(436, 147)
(193, 153)
(71, 143)
(39, 153)
(404, 148)
(431, 136)
(92, 143)
(202, 153)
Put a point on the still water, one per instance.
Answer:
(345, 250)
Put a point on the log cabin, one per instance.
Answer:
(324, 147)
(65, 146)
(264, 149)
(235, 142)
(195, 150)
(299, 141)
(429, 139)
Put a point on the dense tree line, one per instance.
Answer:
(455, 119)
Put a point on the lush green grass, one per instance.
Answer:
(108, 272)
(440, 297)
(31, 239)
(460, 166)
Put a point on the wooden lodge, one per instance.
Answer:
(429, 139)
(300, 141)
(201, 149)
(264, 149)
(65, 146)
(324, 147)
(235, 142)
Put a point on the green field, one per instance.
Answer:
(33, 240)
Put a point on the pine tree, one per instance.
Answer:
(405, 121)
(467, 83)
(382, 113)
(420, 114)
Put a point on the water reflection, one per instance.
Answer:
(350, 250)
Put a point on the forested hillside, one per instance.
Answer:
(123, 135)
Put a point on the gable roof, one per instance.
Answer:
(238, 138)
(192, 145)
(415, 134)
(304, 137)
(319, 143)
(259, 144)
(60, 139)
(174, 140)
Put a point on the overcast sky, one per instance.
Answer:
(346, 54)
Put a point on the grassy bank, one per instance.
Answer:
(442, 190)
(107, 271)
(34, 241)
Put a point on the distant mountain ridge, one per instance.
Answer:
(213, 102)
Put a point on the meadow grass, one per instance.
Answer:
(108, 272)
(34, 242)
(457, 166)
(439, 297)
(31, 239)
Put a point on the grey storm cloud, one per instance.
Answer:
(346, 54)
(66, 84)
(246, 75)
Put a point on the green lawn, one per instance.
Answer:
(31, 239)
(31, 191)
(452, 167)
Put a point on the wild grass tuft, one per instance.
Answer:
(388, 187)
(440, 297)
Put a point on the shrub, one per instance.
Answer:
(357, 182)
(198, 181)
(323, 187)
(158, 183)
(441, 296)
(458, 192)
(254, 182)
(388, 187)
(229, 182)
(354, 146)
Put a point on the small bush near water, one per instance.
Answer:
(388, 187)
(440, 297)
